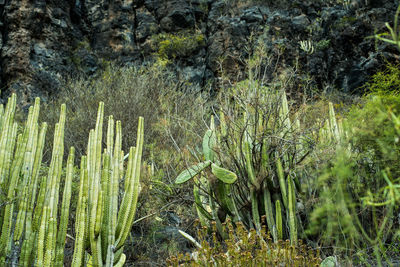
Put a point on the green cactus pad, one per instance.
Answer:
(224, 175)
(191, 172)
(209, 141)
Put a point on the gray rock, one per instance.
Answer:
(252, 14)
(176, 15)
(40, 50)
(88, 63)
(300, 23)
(194, 74)
(146, 27)
(217, 10)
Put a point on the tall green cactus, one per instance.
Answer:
(47, 242)
(20, 173)
(33, 230)
(8, 179)
(62, 230)
(100, 224)
(81, 217)
(251, 140)
(333, 130)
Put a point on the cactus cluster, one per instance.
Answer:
(261, 182)
(261, 143)
(33, 226)
(334, 130)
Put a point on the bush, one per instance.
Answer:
(165, 102)
(246, 248)
(356, 203)
(386, 82)
(373, 135)
(171, 46)
(261, 143)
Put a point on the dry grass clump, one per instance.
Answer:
(172, 108)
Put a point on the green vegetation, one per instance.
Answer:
(259, 142)
(33, 228)
(272, 181)
(151, 92)
(356, 189)
(393, 36)
(386, 82)
(246, 248)
(172, 46)
(246, 164)
(323, 44)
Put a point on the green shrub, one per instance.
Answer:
(171, 46)
(357, 199)
(373, 135)
(250, 160)
(354, 223)
(246, 248)
(322, 44)
(386, 82)
(264, 143)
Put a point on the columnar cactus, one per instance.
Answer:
(20, 175)
(33, 230)
(247, 143)
(333, 130)
(9, 172)
(47, 239)
(100, 224)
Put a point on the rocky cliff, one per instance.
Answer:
(44, 42)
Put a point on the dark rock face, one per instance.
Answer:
(36, 41)
(43, 42)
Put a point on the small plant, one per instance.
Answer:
(307, 46)
(217, 178)
(245, 248)
(322, 44)
(171, 46)
(386, 82)
(393, 36)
